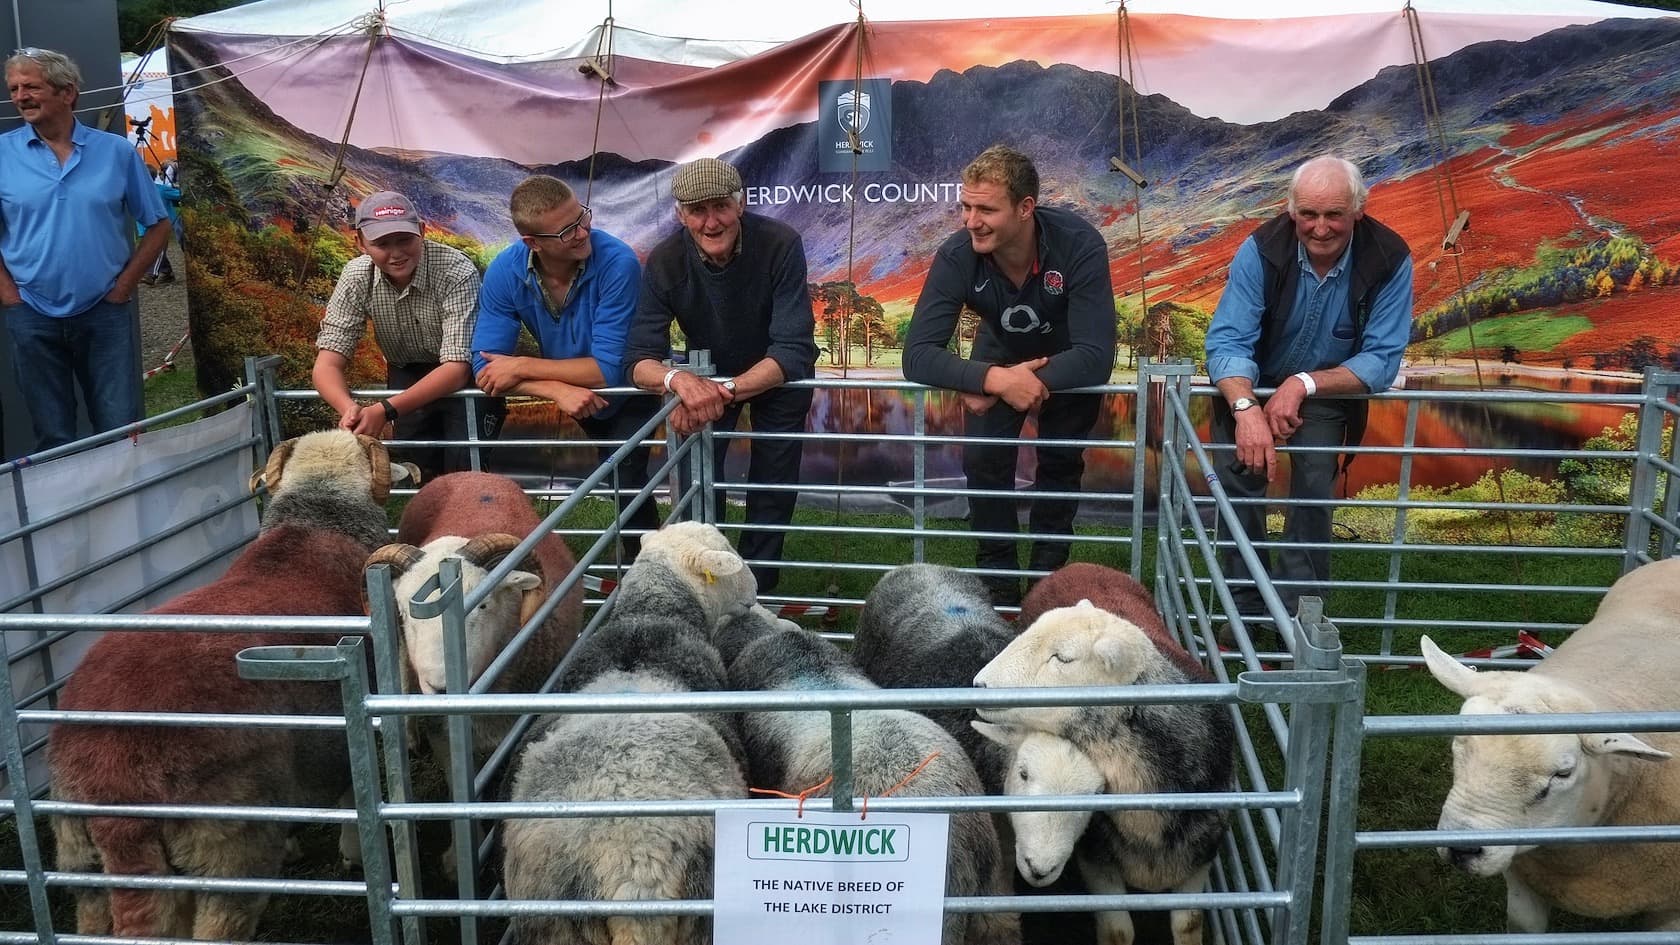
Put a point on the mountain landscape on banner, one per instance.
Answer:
(1561, 145)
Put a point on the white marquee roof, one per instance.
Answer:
(713, 33)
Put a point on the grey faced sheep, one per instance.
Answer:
(792, 751)
(1623, 660)
(656, 640)
(324, 516)
(480, 517)
(1137, 749)
(928, 626)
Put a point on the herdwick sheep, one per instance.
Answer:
(656, 640)
(325, 514)
(1116, 592)
(928, 626)
(1137, 749)
(1622, 660)
(480, 517)
(792, 752)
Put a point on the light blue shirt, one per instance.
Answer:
(64, 228)
(1319, 332)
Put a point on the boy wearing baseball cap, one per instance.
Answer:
(422, 298)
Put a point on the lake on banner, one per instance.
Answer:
(887, 458)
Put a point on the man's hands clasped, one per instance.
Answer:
(1016, 385)
(703, 401)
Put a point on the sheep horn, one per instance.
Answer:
(399, 555)
(270, 475)
(487, 551)
(380, 459)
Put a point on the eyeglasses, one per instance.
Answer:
(567, 232)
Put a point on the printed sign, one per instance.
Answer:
(845, 106)
(829, 878)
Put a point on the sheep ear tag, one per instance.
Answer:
(710, 577)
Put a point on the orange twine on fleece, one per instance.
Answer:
(825, 782)
(800, 797)
(864, 814)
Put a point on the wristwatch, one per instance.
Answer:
(728, 385)
(1242, 403)
(390, 411)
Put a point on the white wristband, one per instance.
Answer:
(666, 383)
(1307, 382)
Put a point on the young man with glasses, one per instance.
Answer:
(574, 288)
(421, 297)
(68, 263)
(736, 283)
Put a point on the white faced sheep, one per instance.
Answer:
(792, 752)
(1106, 588)
(1623, 660)
(480, 517)
(325, 514)
(1137, 749)
(657, 639)
(928, 626)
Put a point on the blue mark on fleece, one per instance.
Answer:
(957, 610)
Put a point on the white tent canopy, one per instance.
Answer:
(711, 34)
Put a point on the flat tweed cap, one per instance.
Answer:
(705, 179)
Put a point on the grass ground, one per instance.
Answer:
(171, 389)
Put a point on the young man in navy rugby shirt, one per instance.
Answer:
(1038, 277)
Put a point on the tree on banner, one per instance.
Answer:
(845, 315)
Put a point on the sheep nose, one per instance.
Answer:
(1462, 856)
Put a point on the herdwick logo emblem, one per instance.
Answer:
(852, 107)
(1022, 320)
(1053, 282)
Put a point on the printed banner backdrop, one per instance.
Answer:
(1557, 128)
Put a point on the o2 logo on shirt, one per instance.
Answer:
(1022, 320)
(1053, 282)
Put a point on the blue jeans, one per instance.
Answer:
(96, 350)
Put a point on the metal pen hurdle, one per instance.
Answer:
(1301, 726)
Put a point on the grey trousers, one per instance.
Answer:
(1301, 571)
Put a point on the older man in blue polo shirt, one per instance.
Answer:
(67, 268)
(574, 288)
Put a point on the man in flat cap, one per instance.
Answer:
(422, 297)
(735, 283)
(573, 287)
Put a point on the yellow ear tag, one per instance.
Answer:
(711, 578)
